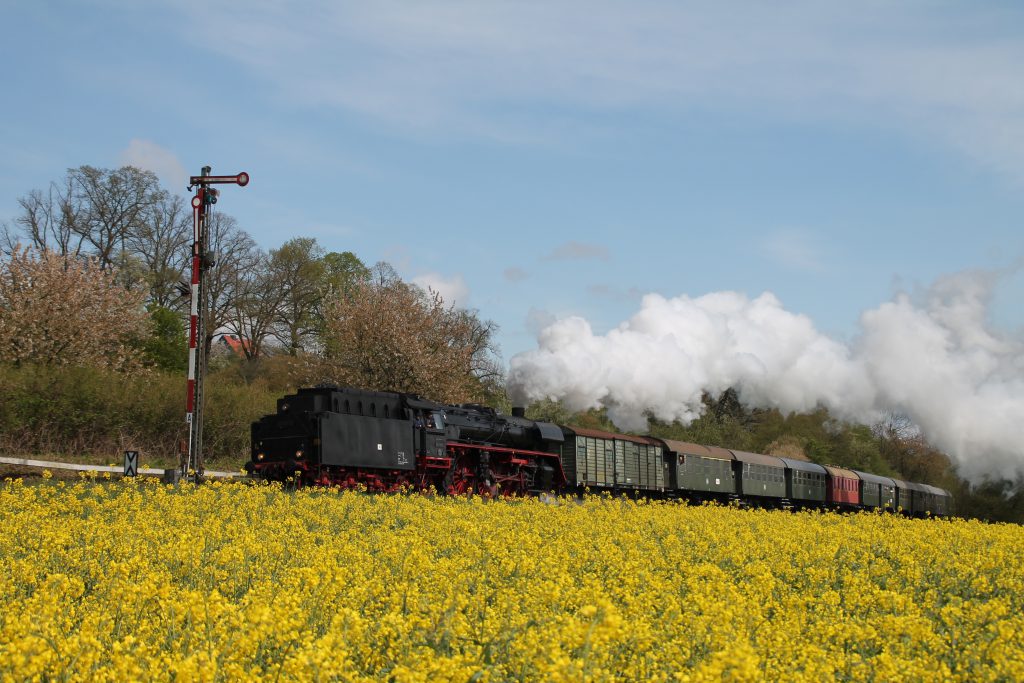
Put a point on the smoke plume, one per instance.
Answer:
(933, 359)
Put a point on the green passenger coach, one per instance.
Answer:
(805, 481)
(702, 469)
(876, 491)
(762, 476)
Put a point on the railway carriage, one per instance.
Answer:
(876, 491)
(903, 501)
(806, 482)
(599, 459)
(921, 499)
(760, 476)
(700, 471)
(843, 487)
(941, 501)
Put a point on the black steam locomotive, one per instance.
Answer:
(388, 441)
(384, 441)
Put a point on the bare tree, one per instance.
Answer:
(113, 205)
(9, 241)
(238, 259)
(256, 306)
(162, 245)
(49, 221)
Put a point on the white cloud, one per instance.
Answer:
(932, 358)
(150, 156)
(452, 289)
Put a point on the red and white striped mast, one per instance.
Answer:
(205, 197)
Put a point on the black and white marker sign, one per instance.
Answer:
(131, 463)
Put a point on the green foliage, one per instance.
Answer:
(343, 271)
(997, 501)
(166, 347)
(96, 412)
(547, 410)
(595, 418)
(298, 273)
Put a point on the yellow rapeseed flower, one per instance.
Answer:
(112, 581)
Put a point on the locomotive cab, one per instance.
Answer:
(431, 437)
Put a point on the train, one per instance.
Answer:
(390, 441)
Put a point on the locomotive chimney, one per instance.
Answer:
(518, 411)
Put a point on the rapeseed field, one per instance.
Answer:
(140, 581)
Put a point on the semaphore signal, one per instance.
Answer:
(191, 462)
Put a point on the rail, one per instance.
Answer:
(143, 471)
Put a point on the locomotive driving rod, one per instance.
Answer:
(191, 461)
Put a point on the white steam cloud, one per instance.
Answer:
(935, 361)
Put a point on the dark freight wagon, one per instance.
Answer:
(940, 502)
(605, 460)
(923, 499)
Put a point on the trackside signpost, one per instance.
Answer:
(131, 463)
(191, 460)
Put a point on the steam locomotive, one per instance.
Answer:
(384, 441)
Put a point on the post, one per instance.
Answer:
(191, 463)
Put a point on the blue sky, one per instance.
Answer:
(543, 159)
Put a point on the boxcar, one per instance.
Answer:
(760, 475)
(843, 486)
(876, 491)
(805, 481)
(604, 460)
(700, 469)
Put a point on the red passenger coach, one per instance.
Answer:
(843, 486)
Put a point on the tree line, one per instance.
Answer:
(96, 268)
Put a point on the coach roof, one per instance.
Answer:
(758, 459)
(687, 448)
(803, 465)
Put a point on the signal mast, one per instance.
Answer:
(191, 461)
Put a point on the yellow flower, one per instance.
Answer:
(146, 582)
